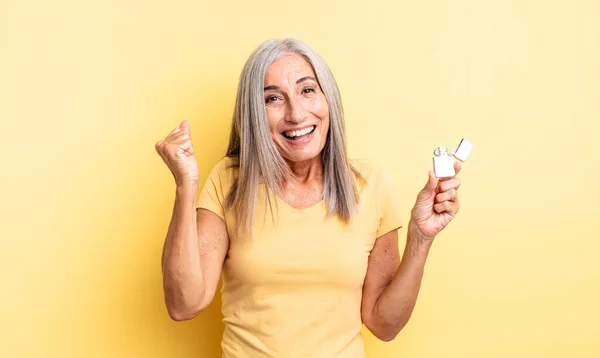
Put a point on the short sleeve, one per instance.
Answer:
(387, 204)
(213, 193)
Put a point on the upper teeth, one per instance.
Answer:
(299, 132)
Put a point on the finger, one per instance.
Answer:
(180, 135)
(185, 125)
(446, 206)
(457, 169)
(432, 182)
(440, 181)
(441, 207)
(450, 195)
(159, 147)
(457, 166)
(452, 208)
(428, 190)
(186, 146)
(452, 183)
(175, 130)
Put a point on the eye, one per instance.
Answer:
(270, 99)
(308, 90)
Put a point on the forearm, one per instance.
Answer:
(183, 279)
(396, 303)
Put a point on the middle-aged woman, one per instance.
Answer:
(306, 239)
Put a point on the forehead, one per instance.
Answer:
(289, 67)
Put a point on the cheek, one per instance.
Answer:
(325, 130)
(272, 120)
(322, 108)
(322, 111)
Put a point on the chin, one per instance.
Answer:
(299, 158)
(301, 154)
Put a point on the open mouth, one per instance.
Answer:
(300, 134)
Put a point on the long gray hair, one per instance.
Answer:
(254, 152)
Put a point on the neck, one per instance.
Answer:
(307, 171)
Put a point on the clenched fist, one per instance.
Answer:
(177, 152)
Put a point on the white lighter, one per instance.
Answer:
(443, 162)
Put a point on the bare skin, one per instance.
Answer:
(197, 242)
(294, 101)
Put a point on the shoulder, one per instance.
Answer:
(378, 188)
(224, 171)
(226, 164)
(372, 173)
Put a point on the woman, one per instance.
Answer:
(306, 240)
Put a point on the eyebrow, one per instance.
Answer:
(303, 79)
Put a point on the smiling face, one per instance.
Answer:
(297, 110)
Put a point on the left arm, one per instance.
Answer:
(392, 285)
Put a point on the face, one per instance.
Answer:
(297, 110)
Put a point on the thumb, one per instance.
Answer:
(427, 194)
(185, 125)
(432, 183)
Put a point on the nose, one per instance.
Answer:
(296, 111)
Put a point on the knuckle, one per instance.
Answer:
(160, 148)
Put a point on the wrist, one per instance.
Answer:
(187, 182)
(187, 189)
(417, 245)
(416, 236)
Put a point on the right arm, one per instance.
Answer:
(196, 243)
(193, 255)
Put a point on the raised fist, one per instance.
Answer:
(177, 152)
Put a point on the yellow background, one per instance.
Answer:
(88, 87)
